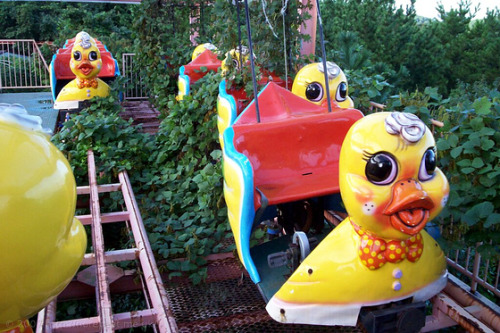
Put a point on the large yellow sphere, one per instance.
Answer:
(41, 242)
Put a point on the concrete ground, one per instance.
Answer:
(37, 104)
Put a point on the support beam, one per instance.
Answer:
(309, 28)
(157, 293)
(103, 295)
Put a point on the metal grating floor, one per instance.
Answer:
(233, 304)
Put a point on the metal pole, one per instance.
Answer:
(475, 269)
(327, 86)
(254, 80)
(239, 34)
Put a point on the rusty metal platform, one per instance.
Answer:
(227, 301)
(143, 113)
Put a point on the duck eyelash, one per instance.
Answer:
(367, 155)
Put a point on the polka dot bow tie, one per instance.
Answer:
(84, 83)
(374, 252)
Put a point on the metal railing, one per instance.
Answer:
(485, 273)
(22, 65)
(134, 87)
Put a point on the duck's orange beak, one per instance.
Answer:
(409, 207)
(85, 67)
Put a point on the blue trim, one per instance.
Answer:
(247, 209)
(53, 81)
(253, 101)
(185, 79)
(117, 69)
(232, 103)
(65, 44)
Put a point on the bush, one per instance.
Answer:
(469, 157)
(184, 208)
(176, 175)
(117, 144)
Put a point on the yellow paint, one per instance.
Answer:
(202, 48)
(181, 85)
(86, 64)
(311, 74)
(233, 59)
(233, 194)
(370, 136)
(223, 117)
(339, 276)
(42, 244)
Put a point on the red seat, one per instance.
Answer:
(294, 150)
(63, 71)
(206, 59)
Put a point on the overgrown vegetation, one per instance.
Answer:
(447, 69)
(377, 37)
(176, 174)
(469, 156)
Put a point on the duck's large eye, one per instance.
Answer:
(314, 92)
(341, 94)
(381, 169)
(428, 165)
(236, 64)
(77, 55)
(93, 55)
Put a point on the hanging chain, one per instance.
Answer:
(254, 80)
(283, 12)
(323, 52)
(240, 48)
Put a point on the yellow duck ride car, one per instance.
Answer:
(202, 48)
(309, 83)
(42, 243)
(391, 188)
(86, 64)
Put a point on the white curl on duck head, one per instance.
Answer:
(84, 39)
(407, 125)
(332, 69)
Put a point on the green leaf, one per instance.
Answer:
(71, 309)
(433, 93)
(493, 174)
(453, 140)
(455, 152)
(487, 144)
(477, 163)
(484, 208)
(373, 92)
(442, 144)
(478, 212)
(467, 171)
(477, 124)
(486, 181)
(174, 274)
(487, 131)
(482, 106)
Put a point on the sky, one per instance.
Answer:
(427, 8)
